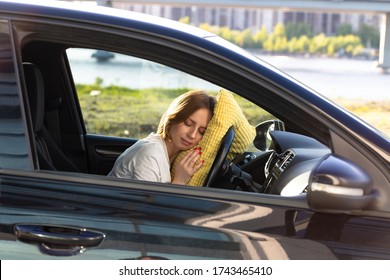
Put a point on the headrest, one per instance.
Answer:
(36, 95)
(227, 113)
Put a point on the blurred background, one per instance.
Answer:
(339, 48)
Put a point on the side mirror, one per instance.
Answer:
(263, 138)
(339, 185)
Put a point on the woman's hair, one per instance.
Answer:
(182, 108)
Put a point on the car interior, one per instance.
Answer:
(242, 173)
(49, 153)
(63, 143)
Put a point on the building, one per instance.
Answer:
(255, 18)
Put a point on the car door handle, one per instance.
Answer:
(59, 240)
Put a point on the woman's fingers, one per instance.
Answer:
(188, 166)
(190, 159)
(192, 156)
(198, 166)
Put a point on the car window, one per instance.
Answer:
(125, 96)
(13, 143)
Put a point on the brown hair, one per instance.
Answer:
(182, 107)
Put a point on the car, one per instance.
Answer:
(315, 183)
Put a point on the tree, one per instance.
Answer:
(303, 44)
(244, 38)
(318, 44)
(351, 42)
(185, 20)
(226, 33)
(279, 30)
(209, 28)
(369, 35)
(297, 30)
(260, 37)
(298, 45)
(344, 29)
(277, 41)
(292, 45)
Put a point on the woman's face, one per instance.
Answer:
(187, 134)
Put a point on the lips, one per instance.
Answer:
(186, 143)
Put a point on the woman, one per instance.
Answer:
(181, 128)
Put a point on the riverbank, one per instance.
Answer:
(376, 113)
(358, 85)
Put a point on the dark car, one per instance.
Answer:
(315, 184)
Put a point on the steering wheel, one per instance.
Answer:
(220, 158)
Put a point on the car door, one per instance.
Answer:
(51, 214)
(110, 218)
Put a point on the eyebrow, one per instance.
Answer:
(192, 121)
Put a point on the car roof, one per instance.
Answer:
(96, 14)
(122, 19)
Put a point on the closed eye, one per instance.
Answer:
(188, 123)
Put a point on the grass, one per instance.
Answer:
(120, 111)
(376, 113)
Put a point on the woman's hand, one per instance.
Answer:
(187, 167)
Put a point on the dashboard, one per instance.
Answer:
(288, 168)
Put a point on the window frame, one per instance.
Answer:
(193, 60)
(15, 107)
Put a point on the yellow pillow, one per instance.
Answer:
(227, 113)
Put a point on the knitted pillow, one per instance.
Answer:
(227, 113)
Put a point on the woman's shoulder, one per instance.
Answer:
(152, 143)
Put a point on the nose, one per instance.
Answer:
(192, 133)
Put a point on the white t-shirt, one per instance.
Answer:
(146, 160)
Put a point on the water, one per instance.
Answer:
(130, 72)
(333, 78)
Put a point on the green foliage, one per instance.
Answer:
(277, 41)
(318, 45)
(185, 20)
(297, 30)
(115, 110)
(259, 38)
(124, 112)
(252, 112)
(226, 33)
(369, 36)
(344, 29)
(298, 46)
(208, 27)
(279, 30)
(297, 39)
(244, 38)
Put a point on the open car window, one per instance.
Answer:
(126, 96)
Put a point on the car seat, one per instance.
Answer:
(50, 156)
